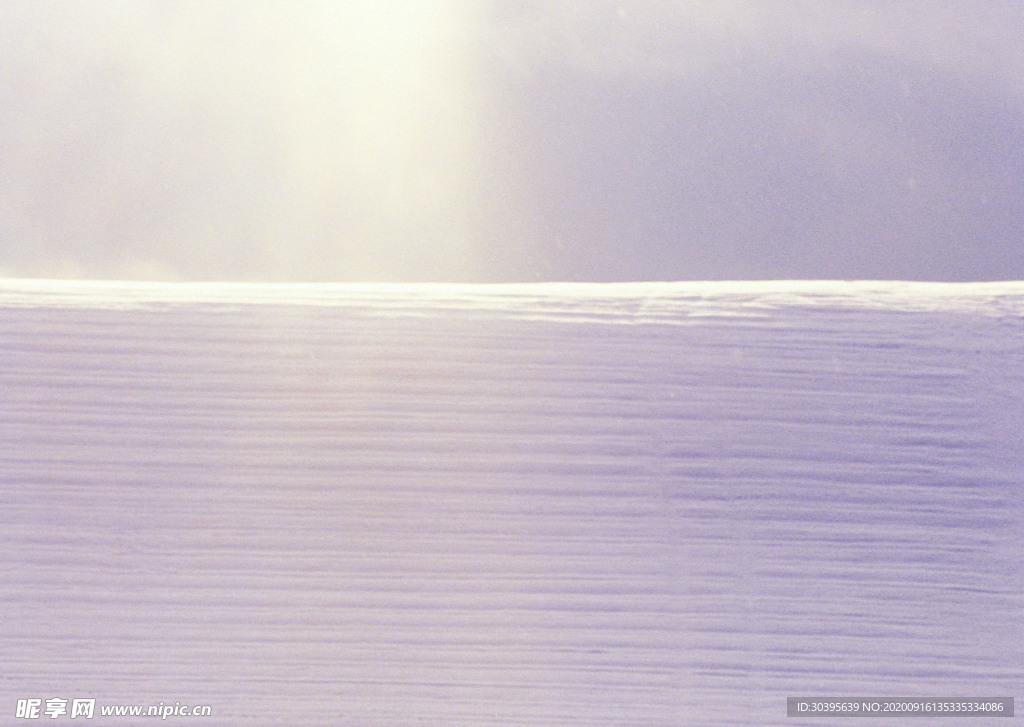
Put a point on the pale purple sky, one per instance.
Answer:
(488, 141)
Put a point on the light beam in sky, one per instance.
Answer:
(296, 141)
(384, 154)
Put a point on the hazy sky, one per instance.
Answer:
(491, 140)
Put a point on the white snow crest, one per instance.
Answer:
(651, 302)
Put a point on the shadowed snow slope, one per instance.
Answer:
(650, 504)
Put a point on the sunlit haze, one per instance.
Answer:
(511, 141)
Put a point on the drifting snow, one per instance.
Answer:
(649, 504)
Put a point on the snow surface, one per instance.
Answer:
(642, 504)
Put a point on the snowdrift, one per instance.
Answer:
(642, 504)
